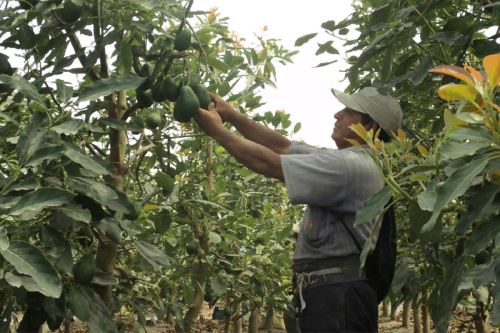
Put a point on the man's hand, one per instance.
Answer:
(222, 107)
(209, 120)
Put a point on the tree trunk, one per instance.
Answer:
(202, 268)
(481, 319)
(386, 308)
(199, 282)
(417, 326)
(253, 321)
(426, 319)
(406, 313)
(238, 319)
(107, 249)
(227, 325)
(268, 324)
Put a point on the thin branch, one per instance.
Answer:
(98, 39)
(81, 55)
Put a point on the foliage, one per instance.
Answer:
(443, 167)
(106, 203)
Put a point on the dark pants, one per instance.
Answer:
(339, 307)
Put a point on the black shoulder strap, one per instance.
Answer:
(350, 231)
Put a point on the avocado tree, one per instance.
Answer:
(99, 160)
(442, 167)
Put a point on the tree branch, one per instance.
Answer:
(81, 55)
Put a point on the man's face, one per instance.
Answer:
(345, 118)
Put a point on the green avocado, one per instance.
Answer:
(5, 67)
(171, 89)
(153, 120)
(182, 40)
(165, 182)
(186, 105)
(158, 92)
(85, 269)
(70, 12)
(202, 93)
(26, 37)
(193, 247)
(27, 4)
(144, 98)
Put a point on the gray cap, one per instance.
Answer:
(384, 109)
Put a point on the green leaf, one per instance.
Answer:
(51, 152)
(326, 47)
(64, 92)
(103, 194)
(323, 64)
(417, 218)
(124, 58)
(25, 184)
(449, 37)
(23, 86)
(479, 275)
(401, 274)
(444, 299)
(329, 25)
(40, 199)
(481, 236)
(32, 138)
(451, 150)
(454, 187)
(29, 260)
(110, 227)
(76, 213)
(69, 127)
(152, 254)
(218, 286)
(297, 127)
(304, 39)
(214, 238)
(373, 207)
(480, 200)
(106, 87)
(427, 200)
(4, 239)
(78, 302)
(421, 71)
(87, 162)
(217, 64)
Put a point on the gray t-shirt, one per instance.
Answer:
(332, 183)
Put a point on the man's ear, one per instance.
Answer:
(371, 125)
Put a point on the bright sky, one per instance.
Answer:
(302, 91)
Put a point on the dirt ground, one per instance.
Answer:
(460, 323)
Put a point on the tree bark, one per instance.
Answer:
(238, 321)
(481, 319)
(268, 324)
(417, 325)
(406, 313)
(386, 308)
(426, 319)
(253, 321)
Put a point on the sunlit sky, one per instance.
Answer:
(302, 90)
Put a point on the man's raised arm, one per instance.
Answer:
(251, 129)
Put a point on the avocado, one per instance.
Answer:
(85, 269)
(5, 67)
(192, 248)
(171, 89)
(153, 120)
(165, 182)
(186, 105)
(27, 4)
(158, 92)
(144, 98)
(183, 40)
(162, 221)
(139, 121)
(70, 12)
(202, 93)
(26, 37)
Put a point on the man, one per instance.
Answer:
(334, 296)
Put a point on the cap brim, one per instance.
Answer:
(347, 100)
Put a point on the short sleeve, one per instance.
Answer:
(299, 147)
(317, 178)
